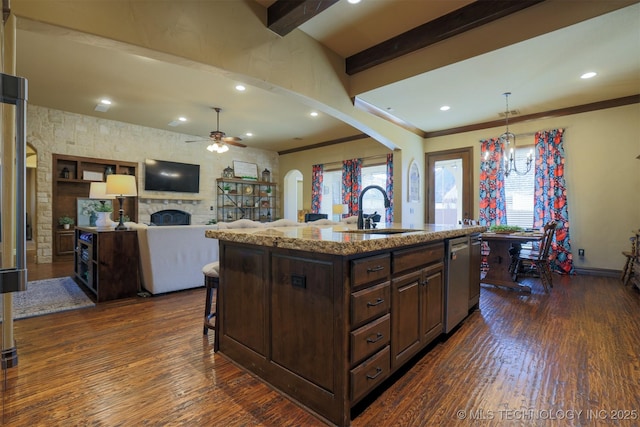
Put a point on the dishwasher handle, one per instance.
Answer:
(453, 251)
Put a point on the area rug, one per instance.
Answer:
(49, 296)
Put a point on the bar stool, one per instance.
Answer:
(211, 273)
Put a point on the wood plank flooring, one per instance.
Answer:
(522, 359)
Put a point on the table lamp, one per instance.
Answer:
(340, 210)
(121, 186)
(98, 190)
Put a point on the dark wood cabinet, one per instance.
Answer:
(65, 242)
(327, 329)
(417, 311)
(106, 262)
(71, 180)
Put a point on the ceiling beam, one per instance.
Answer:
(459, 21)
(576, 109)
(284, 16)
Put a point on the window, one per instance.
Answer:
(332, 189)
(519, 192)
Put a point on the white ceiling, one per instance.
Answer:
(542, 73)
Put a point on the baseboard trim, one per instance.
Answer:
(602, 272)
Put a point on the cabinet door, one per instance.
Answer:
(302, 318)
(65, 242)
(243, 296)
(405, 317)
(432, 300)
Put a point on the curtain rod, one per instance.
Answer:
(339, 163)
(522, 135)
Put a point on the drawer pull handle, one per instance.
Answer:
(374, 269)
(376, 375)
(376, 302)
(377, 338)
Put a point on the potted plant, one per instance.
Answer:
(103, 211)
(66, 221)
(226, 188)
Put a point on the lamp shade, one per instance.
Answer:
(98, 190)
(337, 209)
(121, 185)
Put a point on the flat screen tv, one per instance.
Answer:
(161, 175)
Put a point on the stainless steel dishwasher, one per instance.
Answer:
(456, 281)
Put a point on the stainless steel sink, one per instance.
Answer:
(379, 231)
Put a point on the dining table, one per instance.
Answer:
(504, 248)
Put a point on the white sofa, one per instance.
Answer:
(172, 256)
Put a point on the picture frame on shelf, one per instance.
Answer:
(245, 170)
(92, 176)
(87, 210)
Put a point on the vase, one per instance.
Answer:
(103, 222)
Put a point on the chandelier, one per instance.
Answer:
(509, 141)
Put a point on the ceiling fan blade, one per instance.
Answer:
(234, 143)
(231, 139)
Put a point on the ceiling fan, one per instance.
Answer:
(219, 141)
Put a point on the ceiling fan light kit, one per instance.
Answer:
(219, 141)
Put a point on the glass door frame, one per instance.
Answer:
(466, 156)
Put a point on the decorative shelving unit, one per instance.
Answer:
(246, 199)
(72, 177)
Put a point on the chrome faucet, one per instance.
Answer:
(387, 203)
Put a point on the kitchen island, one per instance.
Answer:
(326, 313)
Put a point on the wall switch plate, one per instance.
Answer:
(580, 252)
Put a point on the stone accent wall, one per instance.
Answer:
(53, 131)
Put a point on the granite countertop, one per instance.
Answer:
(332, 239)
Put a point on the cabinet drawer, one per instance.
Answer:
(369, 374)
(408, 259)
(370, 338)
(370, 303)
(371, 269)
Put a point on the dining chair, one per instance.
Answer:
(631, 255)
(536, 262)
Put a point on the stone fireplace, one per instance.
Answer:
(171, 217)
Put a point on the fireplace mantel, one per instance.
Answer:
(167, 199)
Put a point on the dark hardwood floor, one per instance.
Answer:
(568, 358)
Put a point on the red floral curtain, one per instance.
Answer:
(351, 183)
(316, 187)
(389, 187)
(550, 194)
(492, 197)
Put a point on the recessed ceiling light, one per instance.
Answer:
(354, 1)
(588, 75)
(445, 108)
(240, 88)
(177, 122)
(313, 114)
(249, 134)
(103, 105)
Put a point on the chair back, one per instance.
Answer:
(547, 239)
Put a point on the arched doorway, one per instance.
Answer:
(292, 195)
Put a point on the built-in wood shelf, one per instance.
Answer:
(172, 199)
